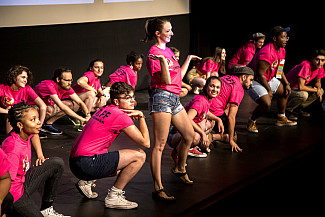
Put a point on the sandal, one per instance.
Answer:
(183, 177)
(162, 195)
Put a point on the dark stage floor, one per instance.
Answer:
(278, 171)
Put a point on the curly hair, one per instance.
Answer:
(17, 113)
(119, 88)
(11, 76)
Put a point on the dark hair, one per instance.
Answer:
(92, 63)
(174, 49)
(132, 57)
(58, 73)
(11, 76)
(207, 83)
(153, 25)
(16, 114)
(215, 57)
(119, 88)
(318, 52)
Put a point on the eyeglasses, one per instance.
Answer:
(128, 97)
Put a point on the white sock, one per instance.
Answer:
(113, 188)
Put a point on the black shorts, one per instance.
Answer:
(94, 167)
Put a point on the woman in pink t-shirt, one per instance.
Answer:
(164, 102)
(208, 66)
(88, 86)
(25, 177)
(17, 88)
(202, 120)
(127, 73)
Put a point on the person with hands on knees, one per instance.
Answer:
(300, 78)
(270, 79)
(226, 104)
(60, 99)
(90, 159)
(25, 177)
(164, 102)
(89, 89)
(202, 120)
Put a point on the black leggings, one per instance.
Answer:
(49, 174)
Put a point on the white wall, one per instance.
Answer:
(31, 15)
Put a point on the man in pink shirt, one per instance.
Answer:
(90, 158)
(302, 94)
(52, 92)
(229, 99)
(245, 54)
(270, 80)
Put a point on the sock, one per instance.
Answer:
(280, 115)
(116, 189)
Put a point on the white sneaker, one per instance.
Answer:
(50, 212)
(116, 200)
(84, 187)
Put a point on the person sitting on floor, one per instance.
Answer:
(25, 178)
(52, 92)
(198, 112)
(299, 77)
(226, 104)
(90, 159)
(206, 67)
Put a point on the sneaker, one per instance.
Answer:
(291, 116)
(84, 187)
(251, 126)
(42, 135)
(50, 212)
(74, 121)
(116, 200)
(284, 121)
(80, 128)
(49, 128)
(196, 152)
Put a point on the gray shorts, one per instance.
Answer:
(257, 90)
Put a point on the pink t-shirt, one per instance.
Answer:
(100, 131)
(208, 66)
(231, 92)
(270, 55)
(124, 74)
(49, 87)
(154, 70)
(243, 55)
(92, 81)
(303, 70)
(4, 163)
(19, 155)
(10, 97)
(201, 104)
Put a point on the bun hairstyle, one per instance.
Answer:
(153, 25)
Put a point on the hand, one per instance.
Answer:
(156, 57)
(193, 57)
(205, 140)
(234, 146)
(100, 92)
(40, 161)
(270, 93)
(134, 114)
(221, 127)
(287, 89)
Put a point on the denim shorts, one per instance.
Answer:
(164, 101)
(94, 167)
(257, 90)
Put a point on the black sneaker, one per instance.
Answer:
(49, 128)
(42, 135)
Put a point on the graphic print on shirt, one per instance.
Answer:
(26, 165)
(100, 115)
(7, 101)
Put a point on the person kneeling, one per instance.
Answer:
(90, 159)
